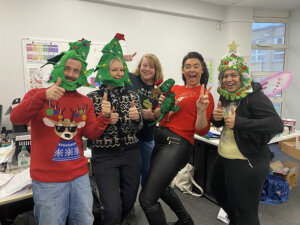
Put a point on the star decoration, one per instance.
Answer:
(233, 46)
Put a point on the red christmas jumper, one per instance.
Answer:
(183, 121)
(55, 158)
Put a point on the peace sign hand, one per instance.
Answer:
(203, 99)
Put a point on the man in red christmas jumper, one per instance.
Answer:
(59, 116)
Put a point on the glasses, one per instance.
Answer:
(61, 129)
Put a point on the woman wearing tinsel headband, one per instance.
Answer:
(249, 120)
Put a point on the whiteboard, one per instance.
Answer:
(37, 51)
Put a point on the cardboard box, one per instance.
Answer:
(290, 149)
(292, 176)
(288, 140)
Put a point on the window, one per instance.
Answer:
(278, 56)
(279, 40)
(269, 51)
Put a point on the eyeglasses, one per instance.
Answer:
(61, 129)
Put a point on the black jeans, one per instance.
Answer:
(117, 176)
(170, 154)
(237, 188)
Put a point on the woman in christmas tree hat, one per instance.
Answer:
(233, 61)
(116, 155)
(111, 51)
(249, 120)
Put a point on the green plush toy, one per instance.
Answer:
(169, 102)
(146, 104)
(111, 51)
(78, 50)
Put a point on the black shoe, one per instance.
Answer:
(180, 223)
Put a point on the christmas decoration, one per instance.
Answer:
(168, 104)
(112, 51)
(78, 50)
(234, 61)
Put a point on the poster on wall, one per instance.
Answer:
(36, 52)
(210, 68)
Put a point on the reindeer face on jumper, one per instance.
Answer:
(65, 129)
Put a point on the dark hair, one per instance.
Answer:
(205, 74)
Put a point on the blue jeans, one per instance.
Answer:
(146, 151)
(54, 202)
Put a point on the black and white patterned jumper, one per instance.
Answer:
(116, 158)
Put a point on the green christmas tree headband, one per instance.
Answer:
(111, 51)
(78, 50)
(234, 61)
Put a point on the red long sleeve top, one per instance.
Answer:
(184, 120)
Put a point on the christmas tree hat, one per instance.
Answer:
(78, 50)
(234, 61)
(112, 50)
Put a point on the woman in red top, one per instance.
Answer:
(174, 140)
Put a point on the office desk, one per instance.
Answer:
(204, 157)
(15, 200)
(18, 198)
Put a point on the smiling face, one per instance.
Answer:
(72, 70)
(192, 71)
(116, 69)
(231, 80)
(147, 71)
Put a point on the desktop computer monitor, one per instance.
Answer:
(16, 128)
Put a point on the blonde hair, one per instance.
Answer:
(153, 60)
(158, 71)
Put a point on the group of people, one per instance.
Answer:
(129, 150)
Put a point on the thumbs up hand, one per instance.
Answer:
(147, 113)
(105, 106)
(114, 117)
(230, 119)
(218, 113)
(55, 91)
(133, 112)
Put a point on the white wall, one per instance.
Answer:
(168, 35)
(293, 92)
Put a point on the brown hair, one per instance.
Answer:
(205, 74)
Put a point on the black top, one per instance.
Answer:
(256, 122)
(145, 93)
